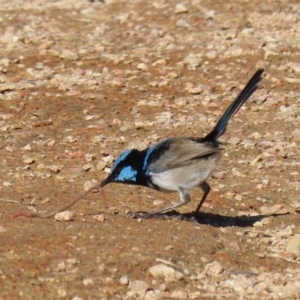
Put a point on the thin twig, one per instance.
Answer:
(51, 214)
(11, 201)
(168, 263)
(284, 258)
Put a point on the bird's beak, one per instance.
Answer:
(105, 182)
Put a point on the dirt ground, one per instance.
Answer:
(82, 81)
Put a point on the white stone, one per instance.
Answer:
(124, 280)
(138, 288)
(182, 23)
(88, 281)
(64, 216)
(168, 273)
(68, 55)
(180, 8)
(269, 54)
(213, 269)
(293, 245)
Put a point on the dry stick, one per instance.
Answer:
(11, 201)
(51, 214)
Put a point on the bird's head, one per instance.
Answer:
(126, 169)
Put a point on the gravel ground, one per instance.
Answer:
(80, 82)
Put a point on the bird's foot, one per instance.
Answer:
(145, 215)
(139, 215)
(163, 216)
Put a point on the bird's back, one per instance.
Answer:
(182, 163)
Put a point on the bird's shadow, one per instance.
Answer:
(214, 220)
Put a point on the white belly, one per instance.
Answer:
(187, 177)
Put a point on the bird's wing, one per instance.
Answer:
(175, 153)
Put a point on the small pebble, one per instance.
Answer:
(89, 156)
(124, 280)
(54, 169)
(142, 66)
(99, 218)
(180, 8)
(88, 281)
(270, 54)
(28, 160)
(64, 216)
(138, 288)
(88, 184)
(108, 158)
(50, 143)
(193, 61)
(182, 23)
(293, 245)
(101, 165)
(87, 167)
(213, 269)
(168, 273)
(68, 55)
(77, 298)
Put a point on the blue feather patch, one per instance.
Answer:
(121, 158)
(127, 174)
(149, 152)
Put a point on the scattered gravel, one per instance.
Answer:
(80, 81)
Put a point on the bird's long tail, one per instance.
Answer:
(243, 96)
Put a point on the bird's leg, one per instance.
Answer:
(206, 189)
(184, 199)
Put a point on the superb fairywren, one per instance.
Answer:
(179, 164)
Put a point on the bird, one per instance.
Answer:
(178, 164)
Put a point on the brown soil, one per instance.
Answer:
(43, 168)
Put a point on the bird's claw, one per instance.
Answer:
(139, 215)
(145, 215)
